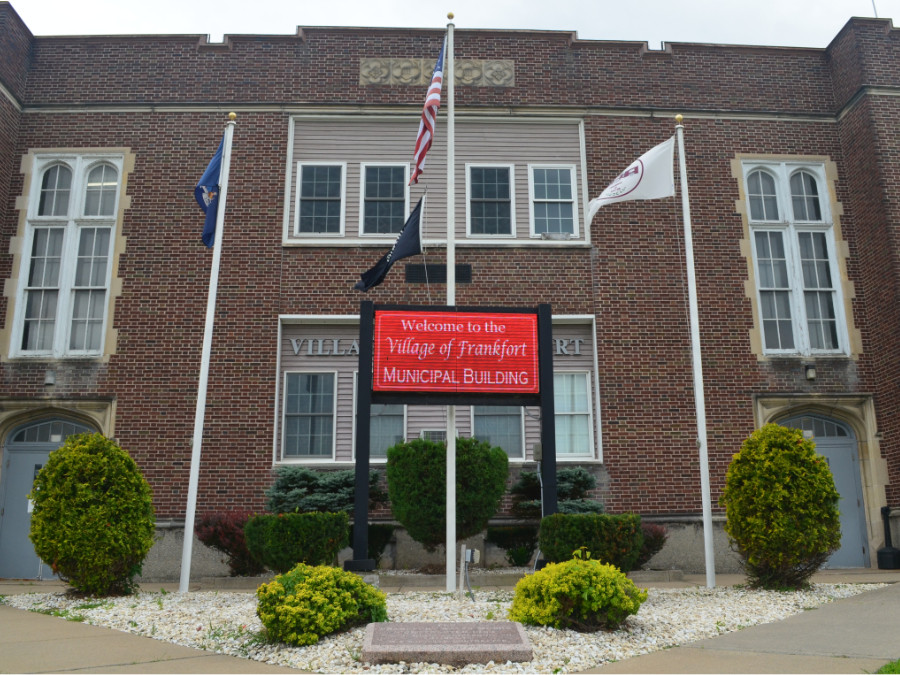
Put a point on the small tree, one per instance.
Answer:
(572, 487)
(417, 477)
(93, 515)
(781, 508)
(298, 489)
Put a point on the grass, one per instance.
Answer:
(889, 668)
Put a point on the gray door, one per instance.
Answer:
(837, 443)
(24, 453)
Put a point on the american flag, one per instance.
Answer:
(429, 115)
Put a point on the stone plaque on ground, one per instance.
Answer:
(454, 644)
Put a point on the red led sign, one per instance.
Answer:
(484, 352)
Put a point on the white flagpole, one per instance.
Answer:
(699, 400)
(188, 545)
(451, 301)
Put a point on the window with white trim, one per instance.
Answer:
(552, 202)
(309, 415)
(320, 199)
(384, 198)
(489, 206)
(63, 297)
(572, 403)
(794, 254)
(500, 426)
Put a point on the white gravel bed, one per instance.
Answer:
(226, 622)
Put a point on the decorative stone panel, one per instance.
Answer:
(470, 72)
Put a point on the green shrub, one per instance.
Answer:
(572, 487)
(298, 489)
(580, 594)
(281, 541)
(307, 603)
(378, 538)
(518, 541)
(615, 540)
(224, 532)
(655, 537)
(781, 508)
(417, 477)
(93, 517)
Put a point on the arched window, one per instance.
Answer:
(56, 186)
(101, 190)
(805, 197)
(763, 197)
(48, 431)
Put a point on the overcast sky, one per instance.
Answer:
(796, 23)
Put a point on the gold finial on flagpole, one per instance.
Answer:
(450, 15)
(678, 118)
(232, 116)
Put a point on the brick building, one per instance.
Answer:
(793, 160)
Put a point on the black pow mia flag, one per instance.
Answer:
(409, 243)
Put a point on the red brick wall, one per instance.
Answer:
(633, 278)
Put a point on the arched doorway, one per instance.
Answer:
(25, 451)
(837, 443)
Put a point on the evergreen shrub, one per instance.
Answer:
(308, 602)
(518, 542)
(612, 539)
(298, 489)
(417, 477)
(93, 519)
(580, 594)
(655, 537)
(283, 540)
(224, 532)
(572, 487)
(781, 508)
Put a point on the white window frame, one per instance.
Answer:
(372, 459)
(521, 456)
(531, 201)
(72, 225)
(363, 167)
(589, 454)
(343, 197)
(790, 229)
(309, 459)
(512, 200)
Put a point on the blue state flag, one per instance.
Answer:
(409, 243)
(207, 195)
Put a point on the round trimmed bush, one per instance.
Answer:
(281, 541)
(583, 595)
(93, 519)
(417, 486)
(781, 508)
(307, 603)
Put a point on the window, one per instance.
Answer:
(490, 204)
(794, 259)
(387, 425)
(501, 426)
(64, 289)
(309, 415)
(571, 400)
(320, 199)
(552, 201)
(384, 204)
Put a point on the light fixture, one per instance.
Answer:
(49, 378)
(810, 372)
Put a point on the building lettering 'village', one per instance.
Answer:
(792, 156)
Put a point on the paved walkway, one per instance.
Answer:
(855, 635)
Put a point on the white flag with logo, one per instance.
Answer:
(650, 176)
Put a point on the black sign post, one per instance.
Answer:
(366, 396)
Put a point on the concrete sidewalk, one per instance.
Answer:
(855, 635)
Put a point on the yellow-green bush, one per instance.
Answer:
(93, 519)
(301, 606)
(781, 508)
(583, 595)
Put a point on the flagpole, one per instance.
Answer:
(187, 548)
(699, 400)
(451, 301)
